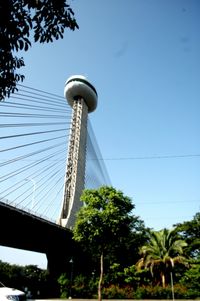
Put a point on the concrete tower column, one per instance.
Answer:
(82, 97)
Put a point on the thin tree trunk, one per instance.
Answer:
(172, 285)
(100, 278)
(163, 280)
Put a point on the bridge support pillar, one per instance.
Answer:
(75, 171)
(82, 97)
(58, 263)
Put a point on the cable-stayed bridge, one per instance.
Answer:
(35, 134)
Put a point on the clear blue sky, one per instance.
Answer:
(143, 57)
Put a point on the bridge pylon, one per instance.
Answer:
(82, 97)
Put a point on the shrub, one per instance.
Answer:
(117, 292)
(158, 292)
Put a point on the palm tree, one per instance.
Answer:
(161, 253)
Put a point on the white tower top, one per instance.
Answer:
(77, 86)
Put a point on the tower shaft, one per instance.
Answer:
(75, 168)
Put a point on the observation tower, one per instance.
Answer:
(82, 97)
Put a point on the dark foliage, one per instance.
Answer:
(45, 19)
(190, 232)
(28, 278)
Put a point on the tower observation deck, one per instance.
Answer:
(82, 97)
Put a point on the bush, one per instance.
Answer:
(117, 292)
(80, 287)
(158, 292)
(83, 287)
(65, 286)
(191, 280)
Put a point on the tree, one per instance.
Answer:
(161, 253)
(103, 221)
(191, 279)
(22, 277)
(46, 19)
(190, 232)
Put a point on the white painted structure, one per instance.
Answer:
(82, 97)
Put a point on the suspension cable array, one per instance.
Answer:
(34, 135)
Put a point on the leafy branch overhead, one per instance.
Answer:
(45, 19)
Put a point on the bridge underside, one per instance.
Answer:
(22, 230)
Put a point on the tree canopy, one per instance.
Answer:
(162, 252)
(190, 232)
(46, 20)
(121, 280)
(104, 219)
(103, 222)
